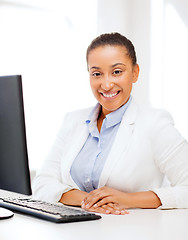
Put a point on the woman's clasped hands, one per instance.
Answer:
(105, 200)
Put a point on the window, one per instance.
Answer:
(45, 42)
(169, 37)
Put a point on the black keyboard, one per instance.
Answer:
(51, 212)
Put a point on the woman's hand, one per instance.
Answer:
(105, 200)
(110, 208)
(108, 200)
(112, 200)
(75, 197)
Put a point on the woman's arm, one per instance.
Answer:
(73, 197)
(171, 156)
(106, 195)
(76, 197)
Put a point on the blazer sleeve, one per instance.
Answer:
(170, 150)
(48, 185)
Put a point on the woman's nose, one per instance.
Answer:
(107, 84)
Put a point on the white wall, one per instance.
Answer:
(113, 16)
(132, 19)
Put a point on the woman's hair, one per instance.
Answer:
(113, 39)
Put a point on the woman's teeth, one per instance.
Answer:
(109, 95)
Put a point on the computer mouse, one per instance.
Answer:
(5, 213)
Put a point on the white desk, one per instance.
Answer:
(140, 224)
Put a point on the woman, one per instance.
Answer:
(116, 155)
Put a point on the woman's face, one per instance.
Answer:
(111, 76)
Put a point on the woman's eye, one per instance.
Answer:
(96, 74)
(116, 72)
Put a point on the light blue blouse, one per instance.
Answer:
(88, 165)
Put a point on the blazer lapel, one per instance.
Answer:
(120, 143)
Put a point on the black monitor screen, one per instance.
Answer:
(14, 169)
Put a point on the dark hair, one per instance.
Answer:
(114, 39)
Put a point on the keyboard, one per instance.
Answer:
(57, 213)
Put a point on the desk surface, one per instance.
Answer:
(140, 224)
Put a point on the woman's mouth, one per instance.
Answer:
(110, 95)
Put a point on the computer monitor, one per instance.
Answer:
(14, 167)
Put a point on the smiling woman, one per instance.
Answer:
(112, 74)
(115, 155)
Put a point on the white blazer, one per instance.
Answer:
(147, 148)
